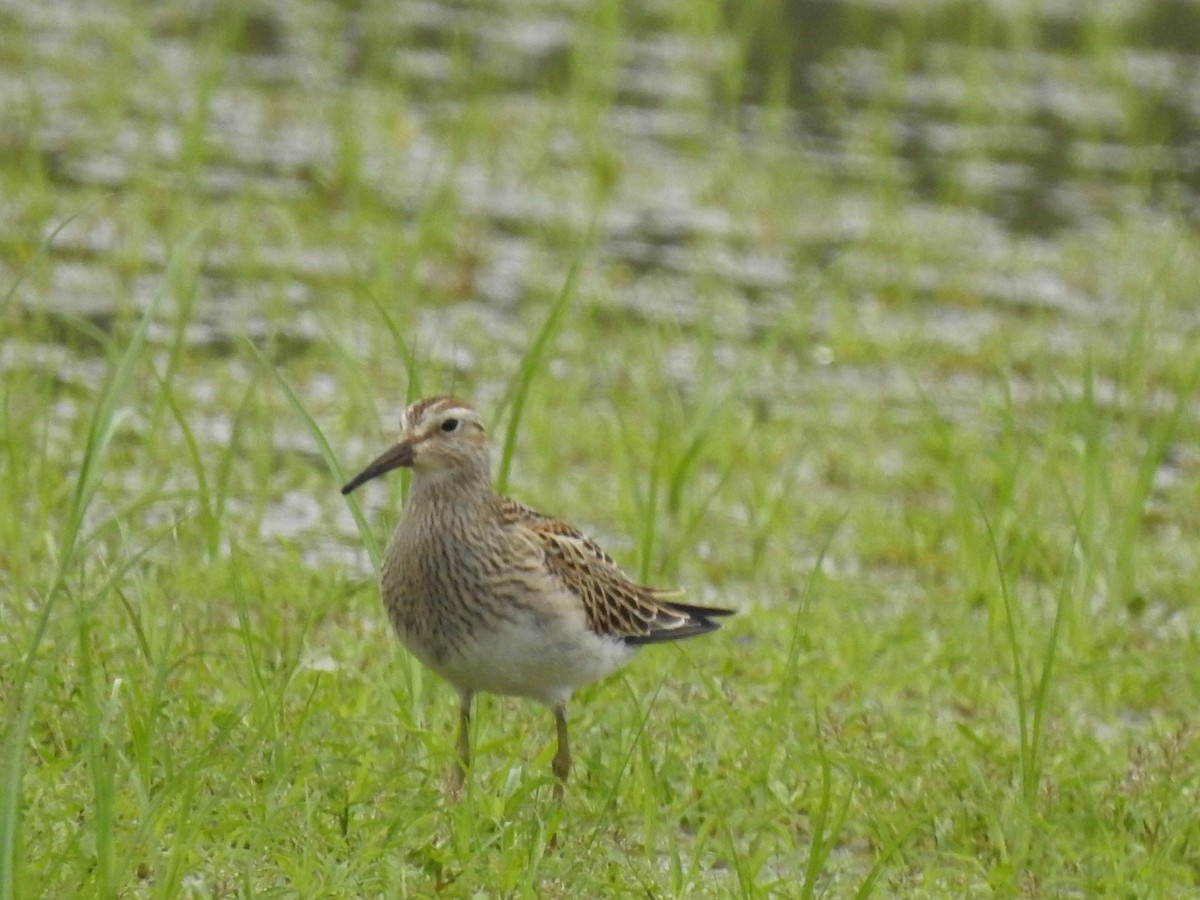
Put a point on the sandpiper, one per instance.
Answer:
(496, 597)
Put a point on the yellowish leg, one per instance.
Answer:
(459, 772)
(562, 759)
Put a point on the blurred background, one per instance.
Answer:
(876, 320)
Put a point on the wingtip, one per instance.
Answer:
(702, 612)
(697, 620)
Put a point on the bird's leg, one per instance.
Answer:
(562, 759)
(459, 772)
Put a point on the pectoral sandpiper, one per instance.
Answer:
(495, 597)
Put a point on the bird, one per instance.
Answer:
(498, 598)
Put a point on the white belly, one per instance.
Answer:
(544, 663)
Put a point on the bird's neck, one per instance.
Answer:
(451, 488)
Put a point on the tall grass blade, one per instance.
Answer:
(327, 452)
(42, 249)
(1028, 775)
(106, 416)
(531, 363)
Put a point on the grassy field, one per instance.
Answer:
(955, 508)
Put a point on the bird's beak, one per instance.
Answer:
(400, 455)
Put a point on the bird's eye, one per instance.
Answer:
(450, 425)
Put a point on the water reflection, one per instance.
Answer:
(1032, 113)
(994, 130)
(1020, 115)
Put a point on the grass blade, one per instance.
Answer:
(327, 453)
(530, 365)
(105, 419)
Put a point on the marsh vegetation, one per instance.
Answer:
(878, 322)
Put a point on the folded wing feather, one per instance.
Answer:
(614, 604)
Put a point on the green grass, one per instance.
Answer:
(957, 523)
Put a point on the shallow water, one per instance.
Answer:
(993, 140)
(1004, 118)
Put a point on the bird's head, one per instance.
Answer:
(439, 436)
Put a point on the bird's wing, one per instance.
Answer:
(614, 604)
